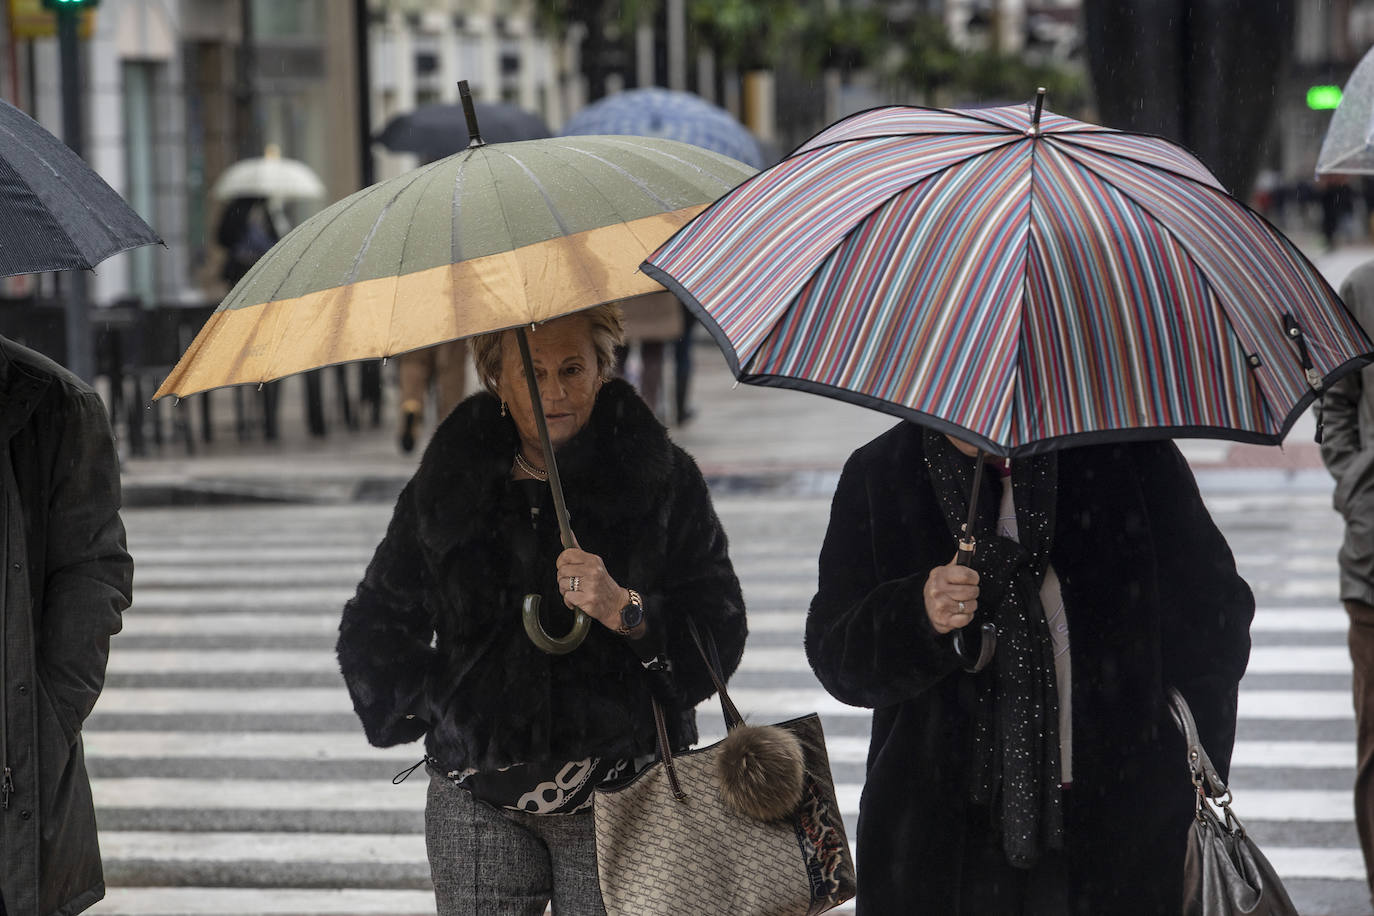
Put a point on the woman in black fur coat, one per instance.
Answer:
(432, 643)
(1053, 780)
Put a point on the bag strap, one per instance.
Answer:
(712, 660)
(1205, 775)
(727, 707)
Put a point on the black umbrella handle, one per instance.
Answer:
(975, 656)
(530, 611)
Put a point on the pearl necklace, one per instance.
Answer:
(536, 473)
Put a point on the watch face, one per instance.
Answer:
(631, 615)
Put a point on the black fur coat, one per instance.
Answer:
(432, 643)
(1152, 599)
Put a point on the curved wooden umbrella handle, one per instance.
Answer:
(554, 645)
(529, 612)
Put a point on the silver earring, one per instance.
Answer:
(503, 408)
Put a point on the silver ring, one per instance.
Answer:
(961, 607)
(573, 582)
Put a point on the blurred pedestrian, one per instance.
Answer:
(65, 581)
(682, 369)
(652, 322)
(247, 231)
(1346, 417)
(1337, 204)
(1051, 780)
(445, 369)
(516, 739)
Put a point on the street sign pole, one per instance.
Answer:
(79, 351)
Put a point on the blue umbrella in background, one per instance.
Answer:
(670, 114)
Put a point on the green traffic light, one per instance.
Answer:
(1323, 98)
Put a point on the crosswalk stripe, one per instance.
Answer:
(1312, 862)
(317, 746)
(254, 554)
(1295, 704)
(1294, 754)
(260, 794)
(1299, 660)
(228, 624)
(235, 901)
(294, 848)
(161, 661)
(1300, 620)
(192, 600)
(260, 574)
(1319, 805)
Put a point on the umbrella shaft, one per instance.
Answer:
(560, 508)
(966, 555)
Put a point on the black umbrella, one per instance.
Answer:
(435, 131)
(56, 213)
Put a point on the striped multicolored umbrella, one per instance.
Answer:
(1023, 282)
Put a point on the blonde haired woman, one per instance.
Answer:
(432, 644)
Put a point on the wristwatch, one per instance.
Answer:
(632, 614)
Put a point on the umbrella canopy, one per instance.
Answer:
(1348, 147)
(494, 237)
(668, 113)
(1023, 283)
(56, 213)
(435, 131)
(271, 177)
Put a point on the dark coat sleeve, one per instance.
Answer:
(699, 582)
(89, 574)
(385, 638)
(868, 637)
(1205, 606)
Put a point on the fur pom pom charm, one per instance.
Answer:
(760, 769)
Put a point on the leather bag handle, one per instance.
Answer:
(1205, 775)
(727, 706)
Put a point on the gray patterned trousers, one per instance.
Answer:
(487, 861)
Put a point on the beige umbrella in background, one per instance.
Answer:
(269, 176)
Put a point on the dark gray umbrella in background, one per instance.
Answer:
(435, 131)
(56, 213)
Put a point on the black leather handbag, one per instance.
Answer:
(1224, 872)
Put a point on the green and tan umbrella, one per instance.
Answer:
(494, 237)
(498, 236)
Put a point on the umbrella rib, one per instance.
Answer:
(431, 174)
(1186, 252)
(634, 179)
(1067, 144)
(15, 139)
(726, 183)
(971, 114)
